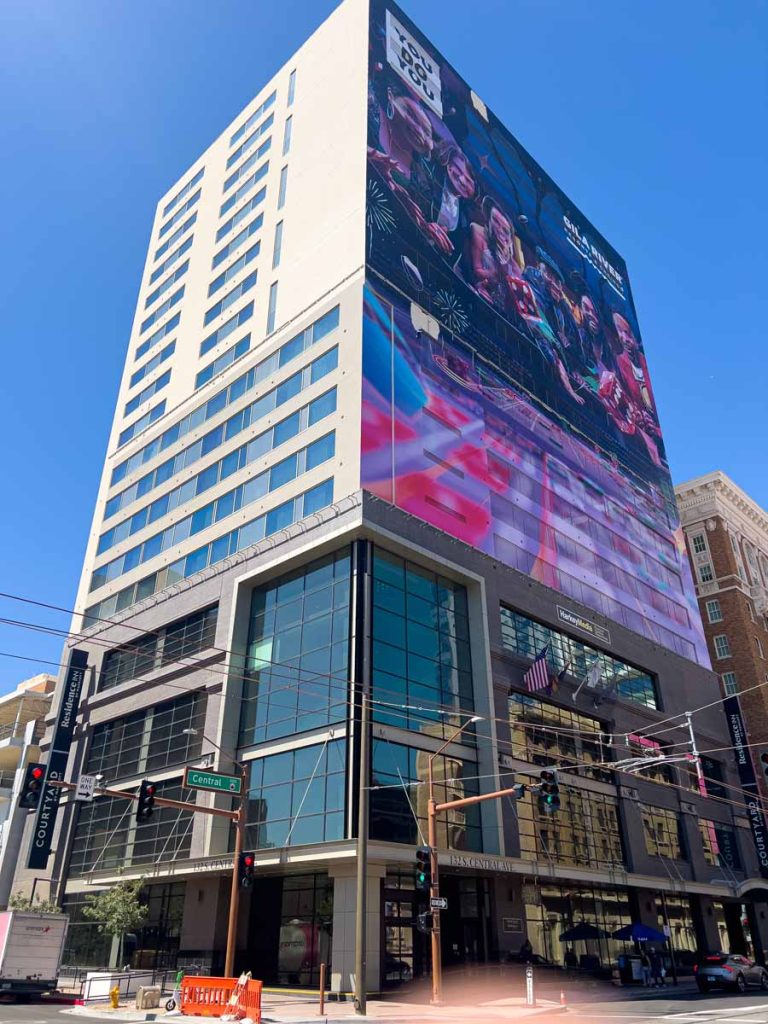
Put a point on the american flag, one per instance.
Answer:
(537, 676)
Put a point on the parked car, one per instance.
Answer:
(729, 970)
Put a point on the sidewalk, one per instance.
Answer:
(296, 1010)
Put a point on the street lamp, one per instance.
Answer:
(435, 888)
(239, 823)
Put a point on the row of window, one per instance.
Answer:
(243, 148)
(174, 642)
(177, 234)
(169, 282)
(223, 332)
(280, 357)
(253, 118)
(279, 518)
(148, 392)
(240, 237)
(232, 296)
(248, 256)
(150, 416)
(250, 182)
(176, 255)
(177, 216)
(246, 165)
(160, 333)
(162, 310)
(149, 740)
(526, 637)
(242, 420)
(152, 364)
(231, 463)
(223, 362)
(184, 191)
(283, 472)
(241, 214)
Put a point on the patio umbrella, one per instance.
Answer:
(583, 931)
(640, 933)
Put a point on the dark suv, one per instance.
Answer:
(729, 970)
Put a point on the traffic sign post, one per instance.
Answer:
(438, 903)
(86, 786)
(213, 782)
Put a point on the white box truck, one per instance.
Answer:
(31, 946)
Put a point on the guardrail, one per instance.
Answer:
(76, 981)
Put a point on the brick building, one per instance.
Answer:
(727, 541)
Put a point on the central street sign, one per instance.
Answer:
(196, 778)
(438, 903)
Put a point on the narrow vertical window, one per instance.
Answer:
(278, 244)
(272, 311)
(287, 135)
(291, 87)
(283, 186)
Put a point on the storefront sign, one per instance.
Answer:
(45, 822)
(583, 625)
(512, 924)
(748, 780)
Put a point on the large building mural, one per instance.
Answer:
(506, 396)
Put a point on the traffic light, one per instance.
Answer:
(34, 777)
(146, 804)
(425, 922)
(247, 870)
(549, 792)
(423, 869)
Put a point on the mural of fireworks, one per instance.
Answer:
(377, 211)
(450, 311)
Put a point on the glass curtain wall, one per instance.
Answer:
(551, 909)
(298, 652)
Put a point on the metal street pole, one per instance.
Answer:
(361, 952)
(434, 889)
(234, 899)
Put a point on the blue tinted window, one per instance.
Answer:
(182, 210)
(253, 118)
(184, 191)
(241, 214)
(238, 240)
(173, 239)
(272, 310)
(282, 188)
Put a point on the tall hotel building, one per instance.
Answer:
(385, 423)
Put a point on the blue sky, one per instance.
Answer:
(651, 116)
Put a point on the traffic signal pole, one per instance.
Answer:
(433, 809)
(237, 817)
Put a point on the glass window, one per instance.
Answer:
(277, 249)
(272, 310)
(699, 544)
(722, 646)
(287, 135)
(421, 655)
(296, 676)
(706, 574)
(291, 87)
(297, 797)
(282, 188)
(527, 637)
(729, 682)
(714, 611)
(398, 777)
(663, 833)
(545, 734)
(721, 848)
(585, 832)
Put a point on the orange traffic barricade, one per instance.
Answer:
(212, 997)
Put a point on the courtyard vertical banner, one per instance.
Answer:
(748, 780)
(45, 822)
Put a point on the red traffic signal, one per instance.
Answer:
(247, 869)
(34, 777)
(146, 803)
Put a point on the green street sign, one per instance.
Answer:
(196, 778)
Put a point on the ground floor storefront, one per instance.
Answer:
(292, 922)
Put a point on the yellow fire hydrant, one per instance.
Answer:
(114, 997)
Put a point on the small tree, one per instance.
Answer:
(117, 911)
(19, 901)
